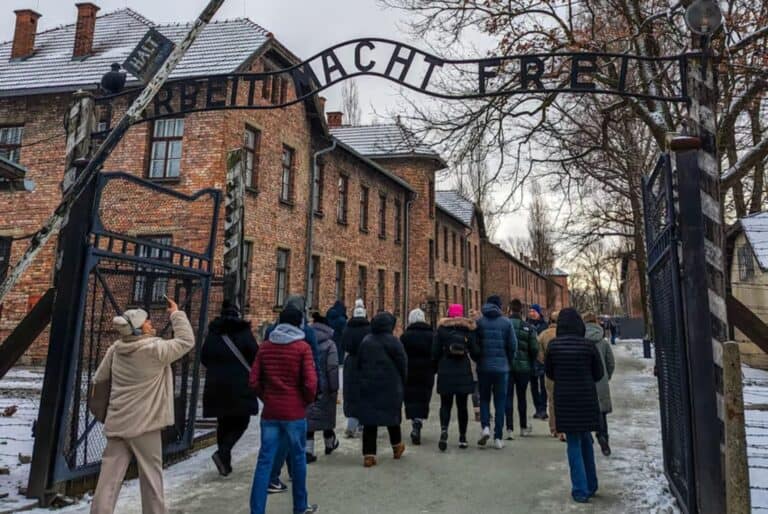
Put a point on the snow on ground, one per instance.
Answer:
(756, 419)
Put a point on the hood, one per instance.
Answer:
(228, 325)
(358, 322)
(296, 301)
(337, 311)
(491, 310)
(467, 323)
(286, 334)
(323, 331)
(422, 325)
(383, 323)
(594, 333)
(129, 344)
(569, 323)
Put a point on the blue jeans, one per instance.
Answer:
(581, 459)
(293, 435)
(493, 383)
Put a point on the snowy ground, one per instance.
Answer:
(756, 417)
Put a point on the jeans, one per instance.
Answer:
(353, 424)
(369, 438)
(446, 403)
(581, 459)
(539, 394)
(293, 435)
(518, 383)
(493, 383)
(229, 430)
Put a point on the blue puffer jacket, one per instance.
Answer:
(498, 342)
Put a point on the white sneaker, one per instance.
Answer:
(498, 444)
(484, 437)
(510, 435)
(525, 432)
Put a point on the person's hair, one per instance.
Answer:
(516, 306)
(589, 317)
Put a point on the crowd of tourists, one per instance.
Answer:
(492, 357)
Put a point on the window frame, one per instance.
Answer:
(382, 215)
(160, 285)
(342, 207)
(287, 197)
(445, 243)
(431, 258)
(746, 263)
(453, 247)
(317, 190)
(9, 149)
(285, 272)
(381, 290)
(6, 249)
(254, 152)
(362, 283)
(340, 280)
(168, 141)
(431, 196)
(398, 221)
(397, 296)
(365, 193)
(314, 282)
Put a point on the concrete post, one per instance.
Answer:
(737, 493)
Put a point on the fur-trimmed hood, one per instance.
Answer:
(467, 323)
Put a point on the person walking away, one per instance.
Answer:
(321, 415)
(544, 339)
(284, 377)
(614, 329)
(574, 365)
(356, 330)
(454, 345)
(527, 353)
(383, 368)
(538, 380)
(226, 395)
(596, 335)
(417, 342)
(337, 320)
(140, 405)
(498, 345)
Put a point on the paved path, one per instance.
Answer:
(529, 475)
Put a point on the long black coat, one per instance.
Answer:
(454, 373)
(417, 341)
(321, 415)
(574, 365)
(353, 335)
(383, 368)
(226, 390)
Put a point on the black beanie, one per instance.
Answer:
(494, 299)
(229, 310)
(569, 323)
(292, 316)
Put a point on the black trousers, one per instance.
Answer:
(229, 430)
(370, 434)
(518, 383)
(446, 404)
(539, 394)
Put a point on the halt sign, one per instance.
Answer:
(149, 55)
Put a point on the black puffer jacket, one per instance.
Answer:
(454, 373)
(353, 335)
(383, 367)
(417, 341)
(575, 366)
(226, 391)
(321, 415)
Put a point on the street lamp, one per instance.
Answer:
(703, 17)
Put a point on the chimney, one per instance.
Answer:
(335, 119)
(85, 29)
(24, 37)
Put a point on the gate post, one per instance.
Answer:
(68, 280)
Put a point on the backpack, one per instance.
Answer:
(458, 346)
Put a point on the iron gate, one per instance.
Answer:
(661, 227)
(146, 241)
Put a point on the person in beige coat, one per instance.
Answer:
(140, 405)
(547, 336)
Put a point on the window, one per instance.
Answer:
(151, 284)
(283, 90)
(340, 284)
(746, 263)
(277, 88)
(463, 298)
(286, 177)
(342, 207)
(396, 291)
(437, 242)
(453, 247)
(431, 196)
(317, 189)
(5, 256)
(477, 300)
(252, 154)
(382, 216)
(247, 273)
(398, 221)
(364, 192)
(437, 291)
(380, 290)
(281, 276)
(10, 142)
(477, 261)
(462, 250)
(445, 287)
(362, 283)
(431, 259)
(455, 294)
(314, 282)
(167, 136)
(266, 85)
(445, 244)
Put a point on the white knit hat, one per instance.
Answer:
(359, 310)
(131, 320)
(416, 316)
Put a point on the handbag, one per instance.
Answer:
(236, 352)
(98, 399)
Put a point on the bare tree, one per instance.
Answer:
(350, 102)
(540, 232)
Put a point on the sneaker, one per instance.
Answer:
(277, 487)
(312, 509)
(333, 446)
(510, 435)
(311, 458)
(416, 434)
(398, 450)
(526, 431)
(443, 444)
(463, 442)
(220, 464)
(484, 438)
(350, 434)
(369, 461)
(498, 444)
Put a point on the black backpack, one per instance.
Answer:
(458, 345)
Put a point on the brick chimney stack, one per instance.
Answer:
(335, 119)
(85, 29)
(24, 36)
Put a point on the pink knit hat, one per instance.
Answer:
(455, 310)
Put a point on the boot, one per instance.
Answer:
(416, 432)
(398, 450)
(443, 444)
(369, 461)
(331, 443)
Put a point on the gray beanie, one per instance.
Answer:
(416, 316)
(359, 310)
(131, 320)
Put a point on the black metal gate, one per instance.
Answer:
(146, 241)
(661, 227)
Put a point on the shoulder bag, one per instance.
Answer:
(231, 345)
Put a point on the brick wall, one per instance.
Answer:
(462, 288)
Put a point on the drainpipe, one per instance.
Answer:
(311, 224)
(406, 255)
(467, 257)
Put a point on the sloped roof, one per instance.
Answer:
(456, 206)
(222, 47)
(391, 176)
(386, 140)
(756, 229)
(557, 272)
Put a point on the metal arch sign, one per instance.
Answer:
(450, 79)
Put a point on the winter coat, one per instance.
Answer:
(283, 374)
(226, 391)
(527, 347)
(454, 373)
(141, 396)
(337, 319)
(417, 341)
(497, 341)
(353, 335)
(321, 415)
(310, 338)
(574, 364)
(383, 367)
(595, 335)
(545, 338)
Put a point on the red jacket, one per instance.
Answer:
(283, 375)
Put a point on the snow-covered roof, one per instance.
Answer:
(382, 141)
(756, 229)
(557, 272)
(456, 206)
(221, 48)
